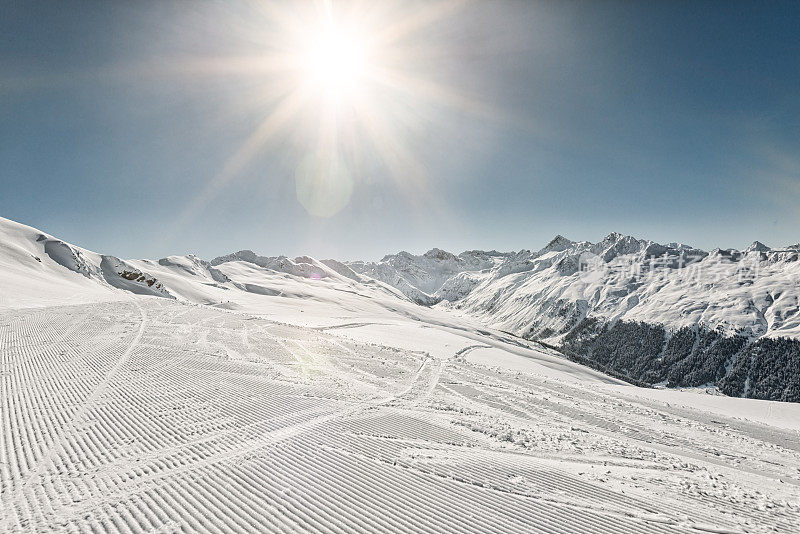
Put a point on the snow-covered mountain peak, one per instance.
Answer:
(440, 255)
(613, 237)
(301, 266)
(679, 246)
(557, 244)
(616, 244)
(757, 246)
(242, 255)
(401, 257)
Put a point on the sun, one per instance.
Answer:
(336, 62)
(350, 89)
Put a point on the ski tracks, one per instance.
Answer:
(308, 433)
(56, 445)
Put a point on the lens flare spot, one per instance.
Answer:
(324, 185)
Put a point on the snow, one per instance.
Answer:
(421, 277)
(423, 339)
(537, 362)
(755, 292)
(32, 277)
(779, 414)
(263, 394)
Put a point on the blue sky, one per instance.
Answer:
(673, 121)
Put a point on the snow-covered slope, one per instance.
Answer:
(290, 395)
(37, 269)
(636, 309)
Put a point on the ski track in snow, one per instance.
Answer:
(149, 415)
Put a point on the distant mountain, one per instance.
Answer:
(668, 314)
(650, 313)
(544, 295)
(421, 277)
(753, 292)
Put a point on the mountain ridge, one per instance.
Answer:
(625, 305)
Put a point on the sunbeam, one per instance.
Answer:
(352, 76)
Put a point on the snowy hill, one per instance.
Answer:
(38, 268)
(636, 309)
(273, 394)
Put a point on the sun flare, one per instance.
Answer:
(350, 87)
(336, 61)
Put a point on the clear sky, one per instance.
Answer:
(143, 129)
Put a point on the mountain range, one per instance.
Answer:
(668, 315)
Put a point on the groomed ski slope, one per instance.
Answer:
(145, 414)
